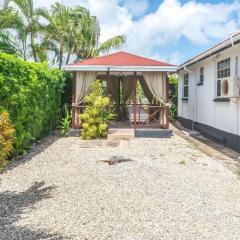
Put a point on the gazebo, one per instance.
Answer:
(121, 71)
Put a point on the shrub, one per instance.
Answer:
(173, 96)
(97, 113)
(6, 138)
(31, 93)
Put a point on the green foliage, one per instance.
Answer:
(97, 113)
(173, 96)
(67, 90)
(53, 34)
(6, 138)
(139, 92)
(31, 93)
(66, 122)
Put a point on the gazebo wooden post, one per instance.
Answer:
(167, 102)
(74, 124)
(134, 102)
(107, 83)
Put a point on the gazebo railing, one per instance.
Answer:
(157, 116)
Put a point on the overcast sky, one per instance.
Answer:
(169, 30)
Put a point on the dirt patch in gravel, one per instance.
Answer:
(114, 160)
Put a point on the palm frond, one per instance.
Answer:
(6, 44)
(112, 43)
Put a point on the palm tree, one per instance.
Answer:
(70, 33)
(13, 35)
(30, 20)
(86, 44)
(56, 30)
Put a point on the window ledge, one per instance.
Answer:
(185, 98)
(200, 84)
(221, 99)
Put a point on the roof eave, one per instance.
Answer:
(101, 68)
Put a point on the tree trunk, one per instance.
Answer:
(68, 56)
(33, 47)
(60, 55)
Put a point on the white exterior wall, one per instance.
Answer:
(200, 106)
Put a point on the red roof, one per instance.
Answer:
(121, 59)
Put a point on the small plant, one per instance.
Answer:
(97, 114)
(6, 138)
(182, 162)
(66, 122)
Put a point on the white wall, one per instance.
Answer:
(200, 106)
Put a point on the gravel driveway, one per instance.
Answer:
(65, 189)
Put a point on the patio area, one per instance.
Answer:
(66, 188)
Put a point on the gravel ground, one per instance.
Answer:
(65, 189)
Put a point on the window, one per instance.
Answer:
(223, 71)
(223, 68)
(185, 86)
(201, 75)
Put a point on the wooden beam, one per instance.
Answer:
(134, 103)
(167, 102)
(107, 83)
(74, 124)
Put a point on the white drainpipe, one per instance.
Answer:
(189, 71)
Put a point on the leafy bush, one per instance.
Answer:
(31, 93)
(97, 113)
(173, 96)
(6, 138)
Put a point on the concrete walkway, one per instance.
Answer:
(66, 188)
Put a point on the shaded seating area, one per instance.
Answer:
(122, 73)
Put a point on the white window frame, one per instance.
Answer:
(223, 71)
(185, 85)
(201, 75)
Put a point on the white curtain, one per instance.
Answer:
(128, 87)
(83, 84)
(156, 82)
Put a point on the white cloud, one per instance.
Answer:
(135, 7)
(199, 23)
(114, 19)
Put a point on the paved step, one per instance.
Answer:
(120, 134)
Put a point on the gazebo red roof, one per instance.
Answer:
(120, 59)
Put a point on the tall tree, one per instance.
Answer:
(29, 18)
(87, 36)
(13, 35)
(57, 35)
(57, 28)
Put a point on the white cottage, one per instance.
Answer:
(209, 92)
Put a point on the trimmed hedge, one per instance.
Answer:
(31, 93)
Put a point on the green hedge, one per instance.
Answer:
(31, 93)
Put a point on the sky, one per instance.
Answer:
(169, 30)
